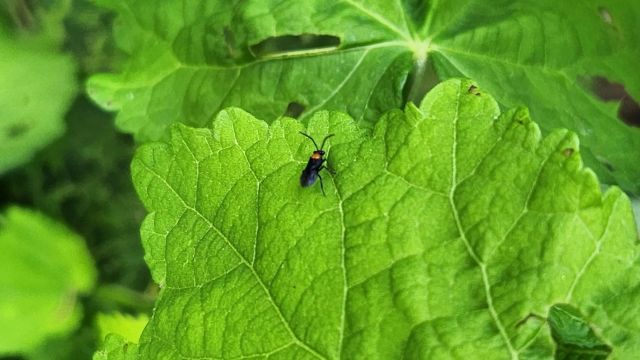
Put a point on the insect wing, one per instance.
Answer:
(308, 177)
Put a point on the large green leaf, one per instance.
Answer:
(450, 231)
(43, 269)
(190, 59)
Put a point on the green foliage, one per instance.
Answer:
(190, 59)
(116, 348)
(35, 21)
(39, 80)
(448, 231)
(43, 269)
(127, 326)
(83, 180)
(576, 340)
(38, 84)
(635, 203)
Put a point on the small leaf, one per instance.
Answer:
(442, 232)
(43, 269)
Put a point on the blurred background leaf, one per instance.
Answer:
(80, 178)
(127, 326)
(116, 348)
(83, 179)
(43, 268)
(38, 85)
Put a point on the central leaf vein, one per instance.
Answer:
(463, 236)
(270, 298)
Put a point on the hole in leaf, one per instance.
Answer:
(281, 45)
(17, 130)
(420, 79)
(629, 109)
(605, 15)
(294, 110)
(568, 152)
(573, 335)
(473, 90)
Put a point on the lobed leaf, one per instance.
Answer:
(449, 231)
(190, 59)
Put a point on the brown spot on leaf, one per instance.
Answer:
(473, 90)
(568, 152)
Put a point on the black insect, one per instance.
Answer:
(315, 164)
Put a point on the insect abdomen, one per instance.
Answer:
(308, 177)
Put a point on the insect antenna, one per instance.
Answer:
(325, 139)
(310, 138)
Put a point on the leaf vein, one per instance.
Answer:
(463, 236)
(259, 280)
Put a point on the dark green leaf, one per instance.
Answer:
(190, 59)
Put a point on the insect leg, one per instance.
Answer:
(329, 168)
(321, 185)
